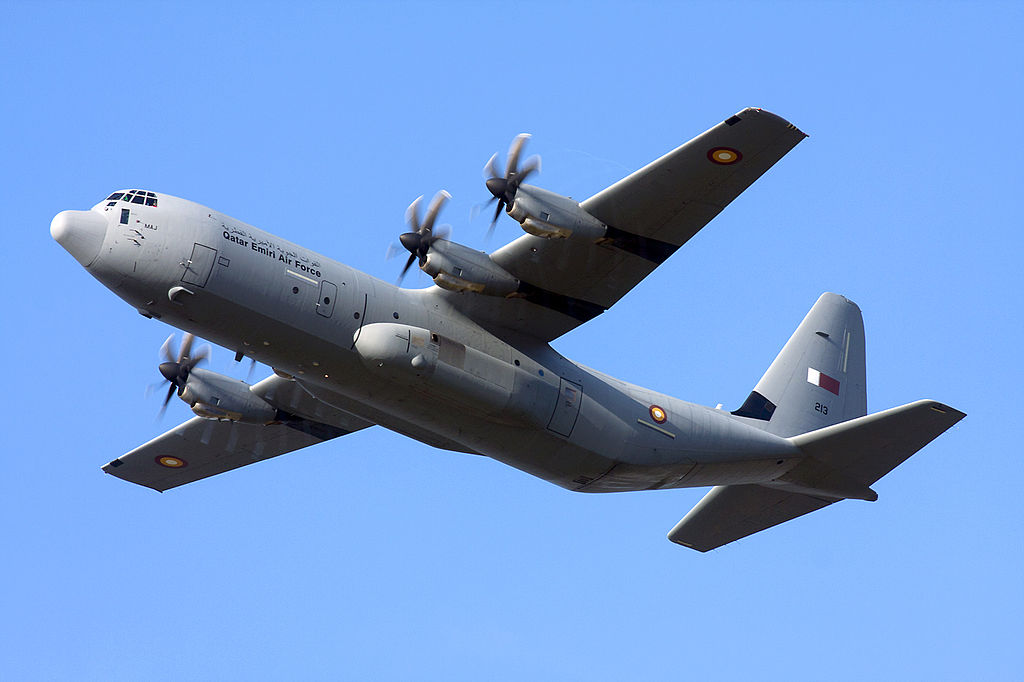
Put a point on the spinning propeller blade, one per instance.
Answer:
(177, 365)
(423, 235)
(503, 186)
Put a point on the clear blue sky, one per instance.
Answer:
(376, 557)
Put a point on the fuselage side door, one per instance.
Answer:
(567, 409)
(198, 267)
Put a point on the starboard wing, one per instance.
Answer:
(200, 447)
(650, 214)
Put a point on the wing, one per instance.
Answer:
(650, 214)
(200, 448)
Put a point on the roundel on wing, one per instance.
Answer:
(724, 156)
(171, 462)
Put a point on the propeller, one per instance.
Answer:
(423, 235)
(503, 186)
(177, 365)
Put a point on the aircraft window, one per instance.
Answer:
(111, 203)
(135, 196)
(124, 216)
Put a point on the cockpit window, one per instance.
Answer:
(135, 196)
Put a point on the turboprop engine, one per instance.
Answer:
(459, 268)
(540, 212)
(210, 394)
(452, 266)
(216, 396)
(546, 214)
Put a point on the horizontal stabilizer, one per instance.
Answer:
(867, 448)
(841, 461)
(731, 512)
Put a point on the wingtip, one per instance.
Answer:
(943, 408)
(758, 111)
(702, 550)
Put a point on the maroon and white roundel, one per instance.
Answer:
(658, 414)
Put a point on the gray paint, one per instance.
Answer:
(473, 372)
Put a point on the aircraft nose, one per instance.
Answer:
(81, 234)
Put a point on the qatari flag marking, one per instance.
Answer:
(821, 379)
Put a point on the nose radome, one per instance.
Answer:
(81, 234)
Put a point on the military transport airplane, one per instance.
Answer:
(467, 365)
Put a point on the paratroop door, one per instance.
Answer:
(567, 409)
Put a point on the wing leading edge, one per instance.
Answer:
(649, 215)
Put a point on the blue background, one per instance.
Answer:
(376, 557)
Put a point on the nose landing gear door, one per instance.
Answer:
(328, 296)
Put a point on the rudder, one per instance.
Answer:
(819, 378)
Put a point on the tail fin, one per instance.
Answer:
(819, 377)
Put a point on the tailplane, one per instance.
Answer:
(841, 462)
(819, 378)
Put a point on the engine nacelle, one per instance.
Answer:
(553, 216)
(459, 268)
(216, 396)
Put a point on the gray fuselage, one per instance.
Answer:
(410, 362)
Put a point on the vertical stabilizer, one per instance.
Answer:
(819, 378)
